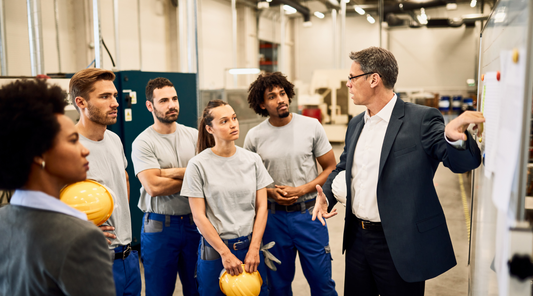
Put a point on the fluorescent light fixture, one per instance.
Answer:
(289, 9)
(238, 71)
(452, 6)
(263, 5)
(422, 18)
(319, 14)
(370, 19)
(347, 1)
(359, 10)
(269, 0)
(473, 3)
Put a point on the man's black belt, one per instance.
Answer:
(300, 206)
(124, 254)
(367, 225)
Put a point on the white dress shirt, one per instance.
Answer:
(365, 167)
(42, 201)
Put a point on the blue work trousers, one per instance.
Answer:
(209, 271)
(168, 248)
(127, 274)
(296, 232)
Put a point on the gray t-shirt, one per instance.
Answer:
(289, 152)
(107, 166)
(152, 150)
(229, 186)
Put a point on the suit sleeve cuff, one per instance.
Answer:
(459, 144)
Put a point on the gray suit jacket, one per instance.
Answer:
(49, 253)
(411, 215)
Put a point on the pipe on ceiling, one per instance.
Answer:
(35, 37)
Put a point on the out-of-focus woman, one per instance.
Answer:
(46, 247)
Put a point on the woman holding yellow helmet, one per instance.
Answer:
(47, 247)
(226, 186)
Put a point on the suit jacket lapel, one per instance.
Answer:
(393, 128)
(349, 161)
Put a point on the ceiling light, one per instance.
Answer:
(262, 5)
(473, 3)
(370, 19)
(289, 9)
(347, 1)
(244, 71)
(451, 6)
(422, 18)
(319, 14)
(359, 10)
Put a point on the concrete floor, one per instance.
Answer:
(452, 283)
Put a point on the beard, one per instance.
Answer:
(100, 117)
(163, 118)
(284, 114)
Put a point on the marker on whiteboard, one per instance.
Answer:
(480, 131)
(515, 55)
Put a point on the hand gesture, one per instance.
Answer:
(106, 228)
(231, 263)
(321, 207)
(455, 129)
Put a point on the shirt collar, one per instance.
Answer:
(42, 201)
(385, 112)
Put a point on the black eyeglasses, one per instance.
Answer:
(352, 77)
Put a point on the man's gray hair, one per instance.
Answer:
(378, 60)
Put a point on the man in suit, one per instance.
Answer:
(395, 234)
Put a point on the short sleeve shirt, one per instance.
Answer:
(229, 186)
(289, 152)
(152, 150)
(107, 166)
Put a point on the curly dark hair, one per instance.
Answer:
(267, 81)
(156, 83)
(29, 124)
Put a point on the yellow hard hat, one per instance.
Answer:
(244, 284)
(89, 197)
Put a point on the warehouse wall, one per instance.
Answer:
(427, 57)
(432, 59)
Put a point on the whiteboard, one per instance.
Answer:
(507, 29)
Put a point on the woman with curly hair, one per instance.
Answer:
(46, 247)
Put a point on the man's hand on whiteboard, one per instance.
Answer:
(455, 130)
